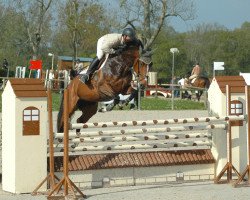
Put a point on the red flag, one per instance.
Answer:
(35, 64)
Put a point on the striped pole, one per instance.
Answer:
(140, 146)
(154, 122)
(143, 130)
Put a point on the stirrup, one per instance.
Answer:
(84, 78)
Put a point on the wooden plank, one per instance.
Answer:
(31, 94)
(229, 78)
(233, 89)
(28, 87)
(21, 81)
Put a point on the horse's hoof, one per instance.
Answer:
(132, 107)
(120, 107)
(110, 107)
(102, 110)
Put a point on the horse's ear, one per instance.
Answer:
(140, 44)
(146, 57)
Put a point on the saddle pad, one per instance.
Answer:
(106, 58)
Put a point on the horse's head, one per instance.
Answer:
(120, 64)
(131, 49)
(141, 67)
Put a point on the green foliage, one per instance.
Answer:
(205, 44)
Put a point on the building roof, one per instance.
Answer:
(28, 87)
(143, 159)
(70, 58)
(236, 83)
(246, 76)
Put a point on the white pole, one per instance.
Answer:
(139, 93)
(173, 83)
(53, 62)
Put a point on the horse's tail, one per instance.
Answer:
(60, 116)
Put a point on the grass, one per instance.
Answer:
(149, 103)
(166, 104)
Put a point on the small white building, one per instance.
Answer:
(218, 107)
(24, 139)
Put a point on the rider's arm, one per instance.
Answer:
(193, 71)
(110, 42)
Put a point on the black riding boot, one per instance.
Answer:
(92, 68)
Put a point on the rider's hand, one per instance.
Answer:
(118, 51)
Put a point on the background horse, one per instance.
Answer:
(105, 84)
(199, 82)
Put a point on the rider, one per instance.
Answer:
(195, 72)
(78, 66)
(107, 44)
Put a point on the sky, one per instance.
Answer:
(228, 13)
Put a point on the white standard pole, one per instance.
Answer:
(172, 81)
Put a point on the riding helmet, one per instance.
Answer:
(129, 32)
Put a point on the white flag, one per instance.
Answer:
(218, 65)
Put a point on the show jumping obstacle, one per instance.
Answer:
(246, 172)
(132, 136)
(156, 135)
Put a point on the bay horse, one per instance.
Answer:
(105, 84)
(199, 82)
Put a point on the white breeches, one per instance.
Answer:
(99, 51)
(193, 76)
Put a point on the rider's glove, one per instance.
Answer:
(118, 51)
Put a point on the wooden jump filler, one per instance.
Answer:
(229, 166)
(246, 172)
(24, 137)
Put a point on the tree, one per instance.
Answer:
(150, 16)
(204, 45)
(71, 15)
(12, 36)
(36, 20)
(80, 25)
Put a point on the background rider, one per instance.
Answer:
(195, 72)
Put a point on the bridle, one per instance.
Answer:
(138, 74)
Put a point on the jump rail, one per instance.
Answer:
(154, 122)
(153, 134)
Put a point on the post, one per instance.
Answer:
(51, 176)
(229, 166)
(246, 172)
(139, 93)
(173, 50)
(66, 141)
(65, 181)
(173, 83)
(229, 134)
(53, 62)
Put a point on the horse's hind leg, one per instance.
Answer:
(112, 105)
(88, 110)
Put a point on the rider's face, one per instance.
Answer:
(126, 38)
